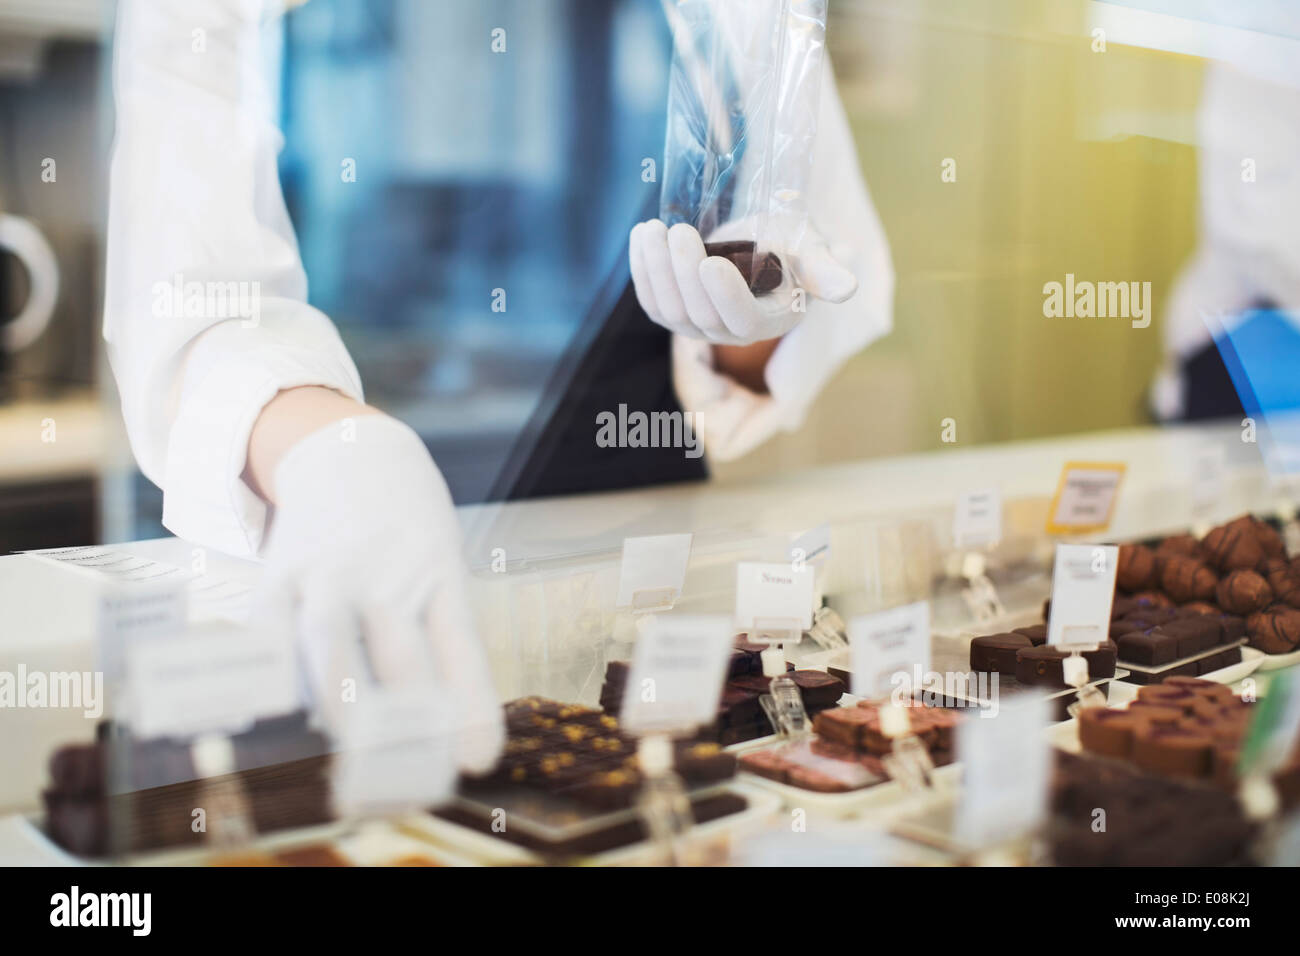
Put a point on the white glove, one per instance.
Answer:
(705, 297)
(363, 559)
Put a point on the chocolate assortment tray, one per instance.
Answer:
(568, 781)
(839, 769)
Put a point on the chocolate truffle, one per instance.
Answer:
(1186, 579)
(1136, 568)
(1275, 630)
(1244, 592)
(1153, 599)
(1286, 588)
(762, 273)
(1269, 538)
(1233, 546)
(1179, 544)
(997, 652)
(1197, 608)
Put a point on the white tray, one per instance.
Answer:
(854, 803)
(491, 851)
(340, 836)
(1272, 662)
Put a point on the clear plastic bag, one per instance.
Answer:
(742, 118)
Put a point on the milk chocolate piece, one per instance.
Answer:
(1105, 731)
(1179, 544)
(997, 652)
(1167, 695)
(1275, 630)
(1197, 609)
(1153, 599)
(1156, 714)
(1206, 688)
(1180, 753)
(845, 725)
(1147, 649)
(1136, 570)
(1244, 592)
(1286, 587)
(1040, 666)
(762, 273)
(310, 856)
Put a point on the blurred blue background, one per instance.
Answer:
(475, 171)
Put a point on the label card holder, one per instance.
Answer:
(977, 521)
(678, 668)
(653, 571)
(1083, 587)
(1006, 761)
(883, 645)
(774, 597)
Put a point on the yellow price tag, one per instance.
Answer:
(1085, 497)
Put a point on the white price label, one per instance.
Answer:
(886, 645)
(1083, 586)
(215, 678)
(774, 597)
(678, 669)
(813, 547)
(1005, 764)
(131, 613)
(977, 522)
(397, 747)
(1209, 478)
(653, 571)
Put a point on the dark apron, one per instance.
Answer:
(620, 357)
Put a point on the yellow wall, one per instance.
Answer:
(1068, 160)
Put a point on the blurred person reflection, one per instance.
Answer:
(1247, 258)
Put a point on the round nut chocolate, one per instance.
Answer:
(1233, 546)
(1275, 630)
(1135, 568)
(1186, 579)
(1183, 544)
(1243, 592)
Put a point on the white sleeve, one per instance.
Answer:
(206, 313)
(733, 420)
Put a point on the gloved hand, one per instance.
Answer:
(705, 297)
(363, 561)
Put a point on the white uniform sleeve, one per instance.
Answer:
(733, 420)
(195, 208)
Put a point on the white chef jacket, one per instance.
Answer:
(195, 197)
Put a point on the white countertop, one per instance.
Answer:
(541, 619)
